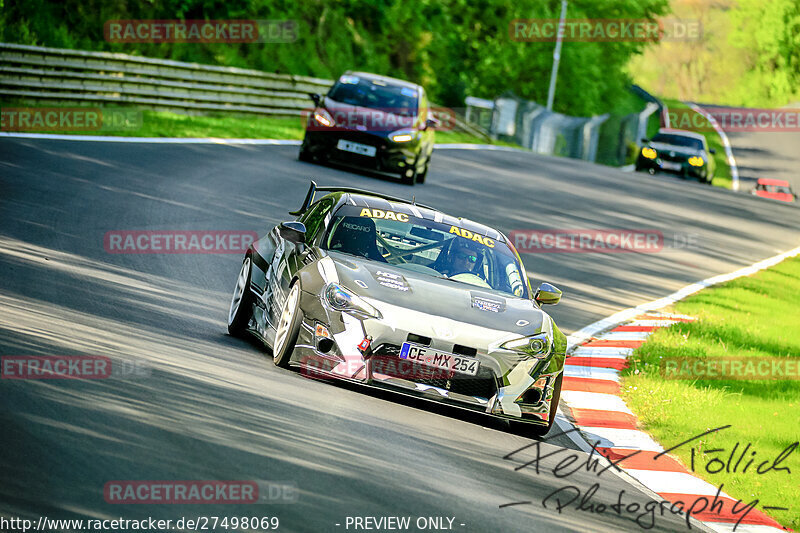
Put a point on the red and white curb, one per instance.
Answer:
(591, 398)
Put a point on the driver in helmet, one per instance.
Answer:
(462, 257)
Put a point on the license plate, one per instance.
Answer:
(356, 148)
(667, 165)
(438, 359)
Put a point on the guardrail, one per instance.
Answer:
(31, 72)
(603, 138)
(77, 76)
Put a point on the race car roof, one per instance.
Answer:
(419, 211)
(385, 79)
(682, 133)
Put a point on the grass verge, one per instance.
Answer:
(753, 317)
(722, 175)
(231, 126)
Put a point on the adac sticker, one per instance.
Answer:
(467, 234)
(380, 213)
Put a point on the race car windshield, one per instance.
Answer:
(678, 140)
(375, 94)
(427, 247)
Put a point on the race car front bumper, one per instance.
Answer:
(367, 351)
(390, 157)
(681, 168)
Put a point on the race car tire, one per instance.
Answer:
(405, 179)
(241, 308)
(288, 327)
(305, 156)
(421, 175)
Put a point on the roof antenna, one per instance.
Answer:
(413, 199)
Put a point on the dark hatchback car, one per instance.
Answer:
(373, 122)
(680, 152)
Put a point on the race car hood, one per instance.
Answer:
(679, 150)
(375, 121)
(437, 296)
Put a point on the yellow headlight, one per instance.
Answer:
(402, 138)
(649, 153)
(696, 161)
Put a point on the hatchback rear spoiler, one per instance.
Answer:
(313, 188)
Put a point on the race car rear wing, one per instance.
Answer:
(313, 188)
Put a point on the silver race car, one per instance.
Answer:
(388, 293)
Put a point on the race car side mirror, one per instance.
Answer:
(293, 231)
(547, 294)
(316, 97)
(644, 140)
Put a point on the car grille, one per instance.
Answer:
(679, 157)
(385, 360)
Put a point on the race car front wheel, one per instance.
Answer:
(421, 176)
(288, 327)
(242, 301)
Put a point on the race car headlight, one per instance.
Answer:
(696, 161)
(402, 136)
(535, 346)
(341, 299)
(323, 117)
(649, 153)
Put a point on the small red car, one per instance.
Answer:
(774, 189)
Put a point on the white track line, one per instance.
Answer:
(630, 439)
(149, 140)
(725, 142)
(595, 400)
(214, 140)
(601, 351)
(625, 315)
(577, 371)
(727, 527)
(674, 482)
(654, 323)
(625, 336)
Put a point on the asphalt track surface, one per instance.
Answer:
(765, 154)
(215, 407)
